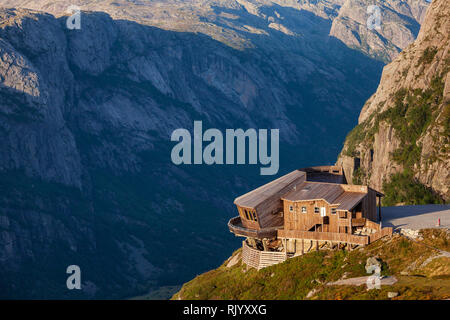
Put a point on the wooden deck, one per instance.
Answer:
(335, 237)
(260, 259)
(235, 226)
(323, 236)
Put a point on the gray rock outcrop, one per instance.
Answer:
(403, 127)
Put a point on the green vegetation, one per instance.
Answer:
(446, 122)
(362, 133)
(358, 176)
(427, 56)
(438, 238)
(354, 138)
(403, 188)
(411, 114)
(298, 276)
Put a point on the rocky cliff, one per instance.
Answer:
(86, 117)
(248, 23)
(401, 144)
(397, 26)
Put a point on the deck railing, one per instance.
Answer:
(359, 222)
(323, 236)
(380, 234)
(235, 226)
(260, 259)
(373, 225)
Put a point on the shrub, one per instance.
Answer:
(403, 188)
(427, 56)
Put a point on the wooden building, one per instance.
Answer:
(307, 209)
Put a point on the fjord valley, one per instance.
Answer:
(325, 236)
(86, 116)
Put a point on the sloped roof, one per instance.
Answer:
(332, 193)
(295, 187)
(348, 200)
(259, 195)
(314, 191)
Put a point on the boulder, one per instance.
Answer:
(372, 261)
(392, 294)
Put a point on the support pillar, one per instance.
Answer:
(379, 209)
(264, 242)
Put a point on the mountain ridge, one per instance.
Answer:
(402, 139)
(234, 22)
(86, 117)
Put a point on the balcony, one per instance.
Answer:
(235, 225)
(323, 236)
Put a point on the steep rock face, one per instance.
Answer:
(86, 118)
(403, 127)
(237, 23)
(399, 22)
(27, 97)
(85, 123)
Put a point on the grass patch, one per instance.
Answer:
(438, 238)
(296, 277)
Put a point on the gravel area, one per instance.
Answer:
(416, 217)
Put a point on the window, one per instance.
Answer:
(291, 208)
(316, 210)
(250, 214)
(303, 209)
(333, 210)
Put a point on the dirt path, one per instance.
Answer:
(358, 281)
